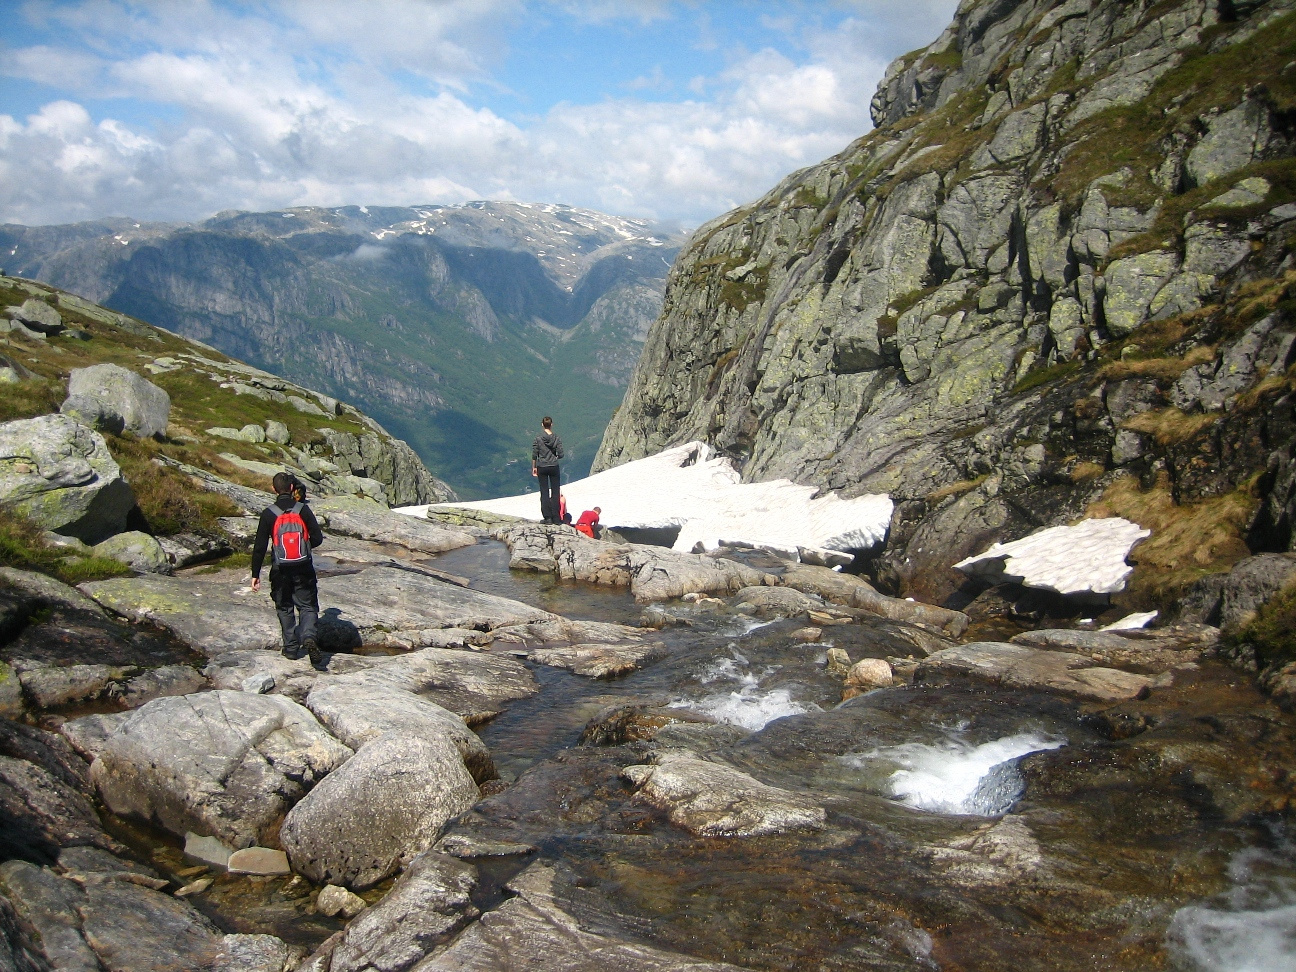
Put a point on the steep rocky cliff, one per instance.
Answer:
(400, 310)
(1053, 280)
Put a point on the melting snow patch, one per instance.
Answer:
(957, 776)
(1132, 622)
(703, 494)
(1249, 928)
(1088, 558)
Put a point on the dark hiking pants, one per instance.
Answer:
(549, 486)
(296, 599)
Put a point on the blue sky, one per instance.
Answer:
(671, 110)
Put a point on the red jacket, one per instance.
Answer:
(587, 522)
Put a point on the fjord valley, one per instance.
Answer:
(445, 323)
(964, 641)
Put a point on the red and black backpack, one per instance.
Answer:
(290, 542)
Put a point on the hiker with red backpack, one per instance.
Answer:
(289, 530)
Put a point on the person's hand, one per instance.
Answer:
(534, 473)
(256, 583)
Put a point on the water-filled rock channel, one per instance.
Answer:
(949, 824)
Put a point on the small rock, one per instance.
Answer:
(839, 663)
(807, 635)
(137, 550)
(870, 673)
(277, 432)
(259, 860)
(194, 887)
(252, 433)
(258, 684)
(334, 900)
(207, 849)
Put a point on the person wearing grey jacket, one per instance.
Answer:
(546, 451)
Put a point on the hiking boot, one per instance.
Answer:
(291, 652)
(313, 650)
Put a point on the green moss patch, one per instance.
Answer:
(23, 545)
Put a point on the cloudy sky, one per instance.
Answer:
(672, 109)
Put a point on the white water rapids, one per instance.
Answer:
(956, 775)
(1251, 927)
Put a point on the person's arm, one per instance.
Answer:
(558, 450)
(535, 454)
(313, 530)
(260, 546)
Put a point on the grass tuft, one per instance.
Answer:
(23, 545)
(1188, 540)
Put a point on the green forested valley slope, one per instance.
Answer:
(456, 327)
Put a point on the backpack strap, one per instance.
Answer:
(274, 508)
(297, 508)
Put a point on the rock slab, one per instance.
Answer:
(713, 800)
(1022, 667)
(221, 764)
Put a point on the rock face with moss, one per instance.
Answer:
(1052, 281)
(60, 474)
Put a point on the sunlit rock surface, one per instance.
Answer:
(702, 494)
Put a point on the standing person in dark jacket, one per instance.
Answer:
(293, 588)
(546, 450)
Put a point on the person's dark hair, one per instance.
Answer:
(283, 482)
(547, 422)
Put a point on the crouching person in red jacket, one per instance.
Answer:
(588, 523)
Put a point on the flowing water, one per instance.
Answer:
(969, 827)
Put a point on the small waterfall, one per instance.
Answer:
(956, 775)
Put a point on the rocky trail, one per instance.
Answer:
(504, 768)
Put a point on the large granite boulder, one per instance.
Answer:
(367, 520)
(714, 800)
(359, 711)
(651, 573)
(384, 807)
(220, 764)
(215, 614)
(38, 315)
(118, 400)
(60, 474)
(424, 909)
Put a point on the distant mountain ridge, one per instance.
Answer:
(456, 326)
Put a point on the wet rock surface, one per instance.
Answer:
(673, 811)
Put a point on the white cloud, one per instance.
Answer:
(308, 102)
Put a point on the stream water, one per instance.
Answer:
(969, 827)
